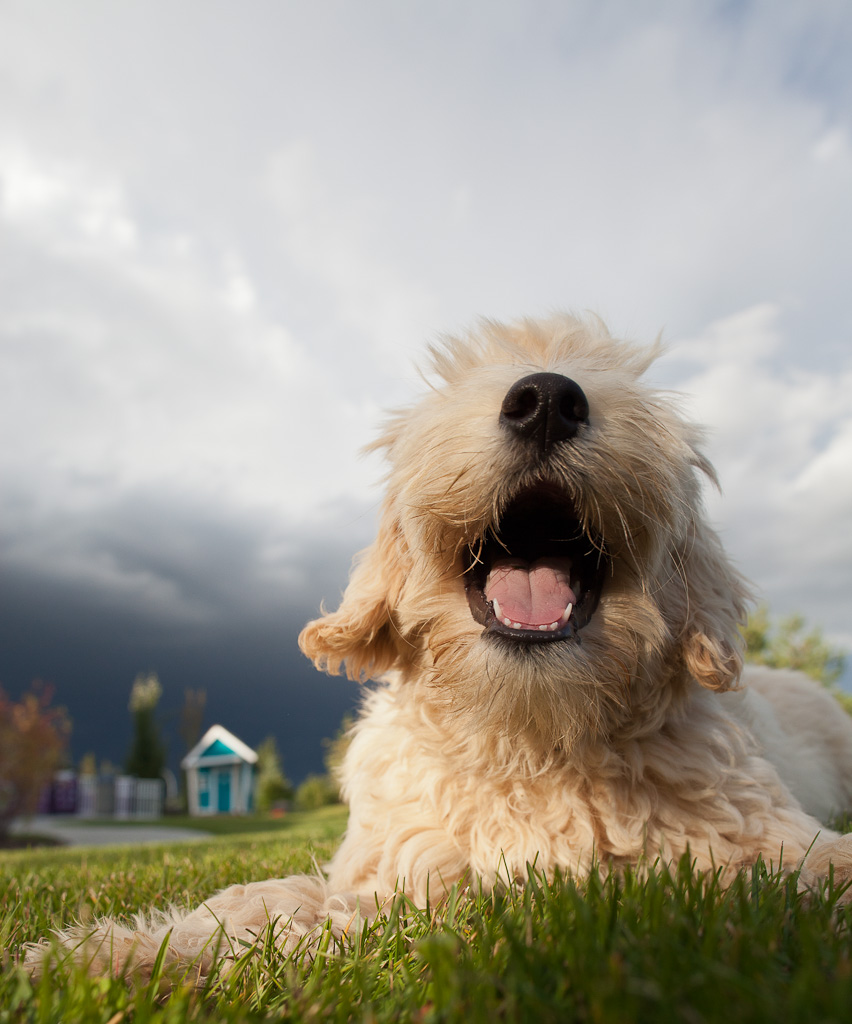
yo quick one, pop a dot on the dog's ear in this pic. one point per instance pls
(712, 608)
(362, 636)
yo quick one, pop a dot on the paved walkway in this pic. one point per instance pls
(72, 832)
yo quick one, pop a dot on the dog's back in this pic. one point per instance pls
(797, 724)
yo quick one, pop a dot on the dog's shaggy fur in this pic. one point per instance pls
(539, 471)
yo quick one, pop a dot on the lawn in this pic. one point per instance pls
(651, 947)
(227, 825)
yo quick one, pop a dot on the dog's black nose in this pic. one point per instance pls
(545, 408)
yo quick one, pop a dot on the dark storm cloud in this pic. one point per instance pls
(229, 625)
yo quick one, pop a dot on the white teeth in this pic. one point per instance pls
(498, 614)
(544, 628)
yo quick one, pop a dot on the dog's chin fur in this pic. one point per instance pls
(623, 733)
(550, 699)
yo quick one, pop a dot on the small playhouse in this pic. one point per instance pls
(220, 774)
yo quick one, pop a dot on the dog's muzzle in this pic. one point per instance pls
(536, 577)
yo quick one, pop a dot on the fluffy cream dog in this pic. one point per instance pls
(556, 629)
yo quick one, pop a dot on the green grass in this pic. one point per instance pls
(652, 947)
(225, 825)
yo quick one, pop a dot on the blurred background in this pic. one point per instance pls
(228, 230)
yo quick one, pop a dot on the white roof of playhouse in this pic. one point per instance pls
(218, 746)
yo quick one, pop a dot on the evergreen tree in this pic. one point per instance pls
(147, 757)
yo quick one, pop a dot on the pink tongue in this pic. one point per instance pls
(531, 595)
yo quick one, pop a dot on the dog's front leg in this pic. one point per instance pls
(294, 911)
(830, 857)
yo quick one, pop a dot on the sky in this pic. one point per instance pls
(229, 230)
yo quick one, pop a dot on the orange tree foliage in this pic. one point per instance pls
(33, 738)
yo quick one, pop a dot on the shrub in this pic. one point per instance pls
(317, 791)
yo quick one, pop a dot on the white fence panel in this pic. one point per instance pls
(121, 797)
(149, 798)
(87, 796)
(125, 789)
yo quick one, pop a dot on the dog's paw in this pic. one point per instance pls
(830, 858)
(106, 948)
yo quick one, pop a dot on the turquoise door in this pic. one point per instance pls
(204, 789)
(224, 792)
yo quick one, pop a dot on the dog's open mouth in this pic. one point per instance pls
(538, 577)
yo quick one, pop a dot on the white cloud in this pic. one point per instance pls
(781, 440)
(64, 204)
(157, 368)
(333, 239)
(239, 294)
(215, 277)
(833, 146)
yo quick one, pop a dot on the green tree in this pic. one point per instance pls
(791, 644)
(320, 790)
(147, 756)
(33, 742)
(272, 783)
